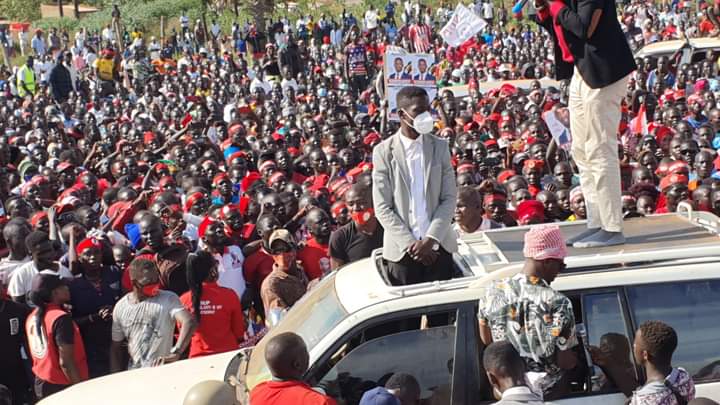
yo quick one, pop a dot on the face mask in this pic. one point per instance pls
(151, 290)
(423, 123)
(363, 217)
(284, 260)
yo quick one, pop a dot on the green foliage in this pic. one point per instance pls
(140, 13)
(68, 23)
(20, 10)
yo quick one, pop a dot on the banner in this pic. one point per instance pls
(403, 69)
(462, 25)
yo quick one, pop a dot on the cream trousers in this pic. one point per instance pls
(594, 121)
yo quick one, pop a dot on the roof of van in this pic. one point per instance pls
(652, 241)
(673, 45)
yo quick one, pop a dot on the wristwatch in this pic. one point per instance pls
(436, 247)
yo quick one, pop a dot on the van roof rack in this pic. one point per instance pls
(687, 235)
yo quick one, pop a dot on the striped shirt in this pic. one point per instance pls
(420, 36)
(148, 326)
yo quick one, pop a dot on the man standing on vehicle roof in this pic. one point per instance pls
(536, 319)
(414, 194)
(590, 48)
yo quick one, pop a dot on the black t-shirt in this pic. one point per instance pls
(63, 331)
(348, 244)
(12, 336)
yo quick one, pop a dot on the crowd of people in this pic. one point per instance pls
(179, 196)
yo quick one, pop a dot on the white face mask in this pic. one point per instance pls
(423, 123)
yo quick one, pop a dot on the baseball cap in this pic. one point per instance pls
(281, 235)
(379, 396)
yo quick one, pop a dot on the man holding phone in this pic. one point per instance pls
(590, 48)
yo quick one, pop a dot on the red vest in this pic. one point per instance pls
(44, 350)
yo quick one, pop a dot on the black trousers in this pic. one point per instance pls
(408, 271)
(358, 84)
(44, 389)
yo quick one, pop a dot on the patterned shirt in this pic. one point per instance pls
(420, 36)
(657, 393)
(356, 58)
(148, 326)
(536, 319)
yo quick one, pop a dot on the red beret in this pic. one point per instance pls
(530, 209)
(87, 243)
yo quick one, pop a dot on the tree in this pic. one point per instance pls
(60, 8)
(259, 9)
(76, 9)
(20, 10)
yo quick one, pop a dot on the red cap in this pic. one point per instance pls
(148, 137)
(192, 199)
(672, 179)
(466, 167)
(534, 163)
(530, 209)
(64, 166)
(505, 175)
(88, 243)
(220, 177)
(249, 180)
(371, 138)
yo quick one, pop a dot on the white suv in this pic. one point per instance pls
(359, 330)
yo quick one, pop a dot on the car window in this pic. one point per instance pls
(315, 315)
(426, 354)
(607, 333)
(698, 56)
(692, 309)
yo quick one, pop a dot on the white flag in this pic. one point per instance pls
(462, 25)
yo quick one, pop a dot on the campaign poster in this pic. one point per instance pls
(408, 69)
(558, 122)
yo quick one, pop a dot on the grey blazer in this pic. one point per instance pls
(391, 194)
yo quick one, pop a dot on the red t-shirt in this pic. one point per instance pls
(256, 267)
(287, 392)
(315, 259)
(222, 325)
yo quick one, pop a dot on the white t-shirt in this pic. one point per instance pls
(21, 279)
(371, 19)
(108, 34)
(230, 270)
(8, 266)
(487, 10)
(148, 326)
(215, 29)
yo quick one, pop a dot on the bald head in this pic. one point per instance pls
(287, 357)
(14, 233)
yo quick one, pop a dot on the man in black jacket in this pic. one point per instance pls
(591, 48)
(60, 80)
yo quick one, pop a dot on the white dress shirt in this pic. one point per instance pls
(419, 220)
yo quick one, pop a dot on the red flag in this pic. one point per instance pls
(639, 124)
(186, 121)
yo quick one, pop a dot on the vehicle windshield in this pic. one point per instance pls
(313, 317)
